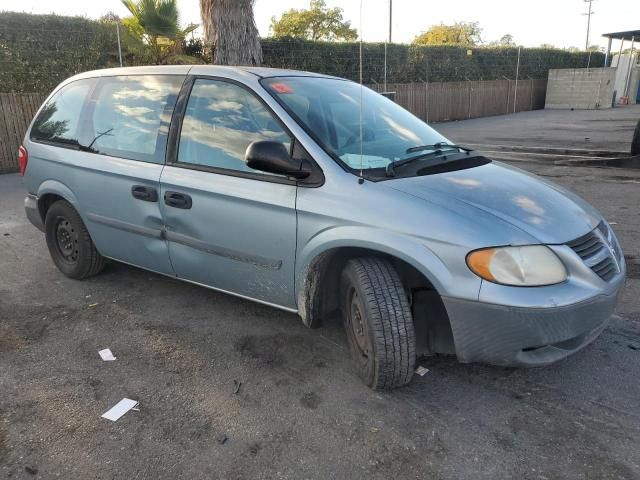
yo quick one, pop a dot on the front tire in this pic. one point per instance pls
(378, 321)
(69, 243)
(635, 143)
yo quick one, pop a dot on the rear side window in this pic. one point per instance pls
(59, 119)
(131, 115)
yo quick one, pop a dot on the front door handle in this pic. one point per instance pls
(146, 194)
(177, 200)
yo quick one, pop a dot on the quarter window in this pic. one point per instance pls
(59, 119)
(220, 122)
(131, 116)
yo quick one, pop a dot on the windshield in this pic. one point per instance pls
(329, 109)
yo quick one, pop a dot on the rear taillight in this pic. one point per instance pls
(23, 158)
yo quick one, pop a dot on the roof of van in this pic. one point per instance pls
(262, 72)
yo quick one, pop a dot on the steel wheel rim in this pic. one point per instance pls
(66, 240)
(357, 324)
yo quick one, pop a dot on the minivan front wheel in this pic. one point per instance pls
(69, 243)
(378, 322)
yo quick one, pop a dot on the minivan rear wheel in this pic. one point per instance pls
(378, 322)
(69, 243)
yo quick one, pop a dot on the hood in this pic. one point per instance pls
(542, 209)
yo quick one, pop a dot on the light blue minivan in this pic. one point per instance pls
(315, 195)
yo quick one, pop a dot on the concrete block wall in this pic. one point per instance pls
(580, 88)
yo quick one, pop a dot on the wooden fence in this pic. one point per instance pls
(441, 102)
(432, 102)
(16, 112)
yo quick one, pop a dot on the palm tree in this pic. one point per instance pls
(156, 22)
(230, 28)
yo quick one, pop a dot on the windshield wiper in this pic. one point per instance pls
(435, 146)
(390, 169)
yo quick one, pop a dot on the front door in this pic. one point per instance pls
(228, 226)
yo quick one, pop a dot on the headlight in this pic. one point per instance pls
(528, 266)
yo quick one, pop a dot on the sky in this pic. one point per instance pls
(531, 23)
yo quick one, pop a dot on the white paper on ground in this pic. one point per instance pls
(119, 409)
(422, 371)
(106, 355)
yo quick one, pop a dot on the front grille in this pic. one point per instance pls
(593, 248)
(605, 269)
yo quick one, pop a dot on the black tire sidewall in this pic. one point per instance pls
(63, 210)
(635, 143)
(366, 370)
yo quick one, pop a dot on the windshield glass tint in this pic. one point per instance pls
(330, 110)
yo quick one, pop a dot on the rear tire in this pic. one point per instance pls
(69, 243)
(378, 321)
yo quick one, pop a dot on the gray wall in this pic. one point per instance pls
(580, 88)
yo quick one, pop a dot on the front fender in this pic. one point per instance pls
(444, 277)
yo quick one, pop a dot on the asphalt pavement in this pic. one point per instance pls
(232, 389)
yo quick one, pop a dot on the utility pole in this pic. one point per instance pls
(119, 47)
(390, 17)
(385, 45)
(588, 15)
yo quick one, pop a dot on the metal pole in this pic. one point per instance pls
(588, 14)
(627, 82)
(515, 95)
(531, 92)
(620, 52)
(426, 100)
(390, 17)
(608, 54)
(469, 98)
(385, 66)
(119, 47)
(387, 41)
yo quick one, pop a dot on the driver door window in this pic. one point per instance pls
(220, 122)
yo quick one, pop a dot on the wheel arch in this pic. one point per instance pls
(318, 289)
(51, 191)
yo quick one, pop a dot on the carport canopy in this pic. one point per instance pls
(631, 35)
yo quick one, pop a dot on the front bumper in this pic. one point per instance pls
(32, 211)
(525, 336)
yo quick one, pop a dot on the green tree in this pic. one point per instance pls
(319, 22)
(548, 46)
(156, 23)
(460, 33)
(505, 41)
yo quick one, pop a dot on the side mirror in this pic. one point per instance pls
(273, 157)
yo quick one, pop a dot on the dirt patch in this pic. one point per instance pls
(10, 339)
(28, 323)
(168, 349)
(4, 448)
(310, 400)
(266, 350)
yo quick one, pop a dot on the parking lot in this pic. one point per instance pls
(232, 389)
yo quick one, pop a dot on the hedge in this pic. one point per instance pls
(39, 51)
(410, 63)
